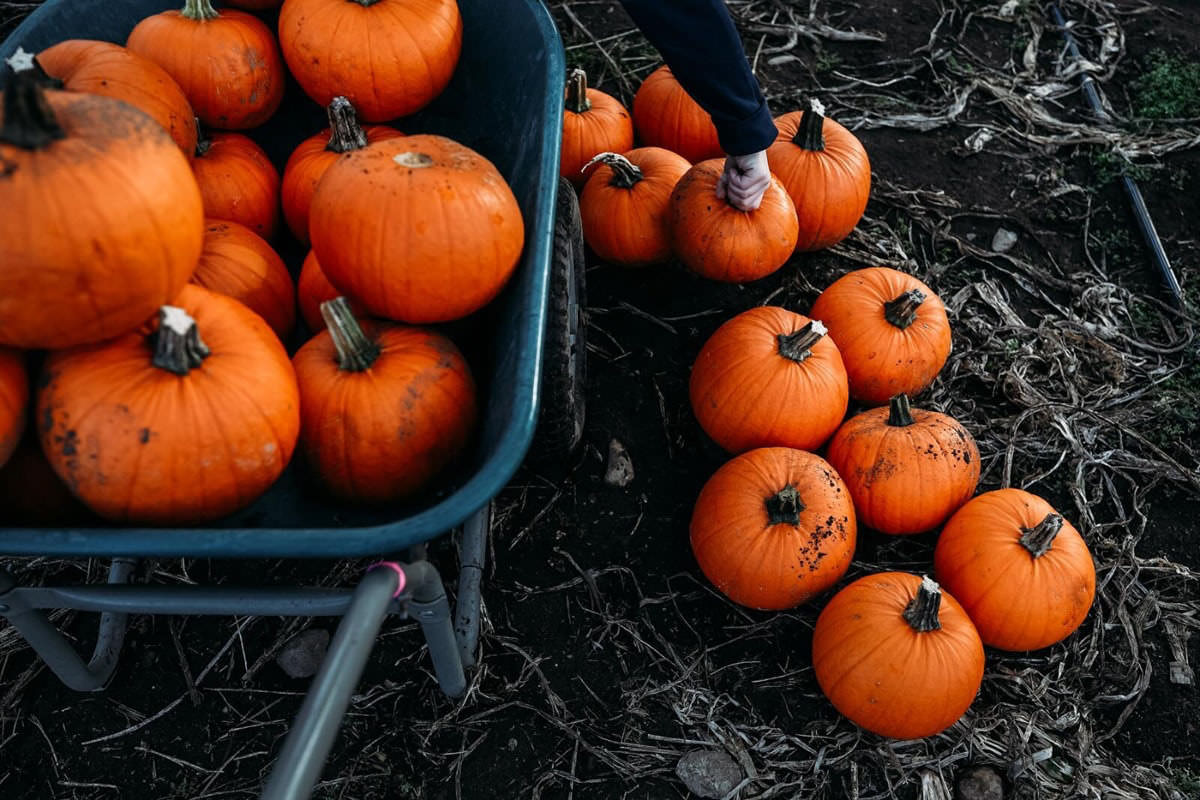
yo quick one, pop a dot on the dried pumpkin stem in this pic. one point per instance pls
(199, 9)
(902, 311)
(1038, 540)
(577, 99)
(798, 346)
(345, 134)
(811, 133)
(900, 412)
(356, 352)
(203, 142)
(178, 347)
(624, 172)
(365, 3)
(922, 611)
(784, 507)
(29, 122)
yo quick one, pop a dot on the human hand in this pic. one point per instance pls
(745, 180)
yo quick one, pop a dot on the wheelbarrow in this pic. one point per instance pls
(506, 101)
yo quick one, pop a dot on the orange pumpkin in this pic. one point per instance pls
(769, 377)
(419, 229)
(385, 407)
(723, 243)
(237, 262)
(101, 220)
(238, 182)
(312, 289)
(226, 62)
(624, 206)
(309, 161)
(84, 65)
(826, 172)
(390, 58)
(908, 469)
(773, 527)
(593, 122)
(892, 331)
(1021, 571)
(897, 656)
(666, 116)
(181, 422)
(14, 400)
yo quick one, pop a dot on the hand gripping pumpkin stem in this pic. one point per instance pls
(199, 10)
(178, 347)
(797, 346)
(922, 611)
(355, 351)
(29, 122)
(1038, 540)
(577, 99)
(345, 134)
(784, 507)
(624, 172)
(811, 133)
(902, 311)
(900, 412)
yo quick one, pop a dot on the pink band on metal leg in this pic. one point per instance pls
(401, 578)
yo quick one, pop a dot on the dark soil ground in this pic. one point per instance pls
(606, 654)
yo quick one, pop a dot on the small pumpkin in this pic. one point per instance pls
(390, 58)
(773, 527)
(908, 469)
(85, 65)
(385, 407)
(625, 205)
(665, 115)
(309, 161)
(723, 243)
(459, 243)
(14, 400)
(593, 122)
(769, 377)
(897, 655)
(891, 329)
(1021, 571)
(226, 62)
(313, 289)
(101, 223)
(238, 263)
(181, 422)
(826, 172)
(238, 182)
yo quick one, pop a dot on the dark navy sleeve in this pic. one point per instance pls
(700, 44)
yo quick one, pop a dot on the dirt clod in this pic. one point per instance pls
(708, 773)
(979, 783)
(301, 657)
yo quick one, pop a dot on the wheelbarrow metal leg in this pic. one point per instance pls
(430, 608)
(472, 556)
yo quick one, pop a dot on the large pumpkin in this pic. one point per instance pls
(226, 62)
(666, 116)
(1021, 571)
(14, 400)
(419, 229)
(238, 182)
(390, 58)
(238, 263)
(101, 220)
(769, 377)
(826, 172)
(309, 161)
(181, 422)
(313, 289)
(773, 527)
(593, 122)
(723, 243)
(625, 205)
(85, 65)
(892, 331)
(908, 469)
(385, 407)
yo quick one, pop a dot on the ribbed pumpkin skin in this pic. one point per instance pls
(766, 566)
(829, 187)
(382, 434)
(312, 289)
(666, 116)
(92, 67)
(389, 59)
(605, 127)
(140, 444)
(723, 243)
(1018, 602)
(905, 479)
(459, 242)
(239, 183)
(881, 359)
(631, 226)
(238, 263)
(14, 400)
(745, 394)
(129, 242)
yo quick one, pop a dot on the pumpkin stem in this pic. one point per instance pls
(798, 346)
(178, 347)
(624, 172)
(366, 3)
(203, 142)
(345, 134)
(902, 311)
(199, 10)
(23, 60)
(811, 133)
(355, 351)
(29, 122)
(784, 507)
(900, 412)
(922, 611)
(577, 99)
(1038, 540)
